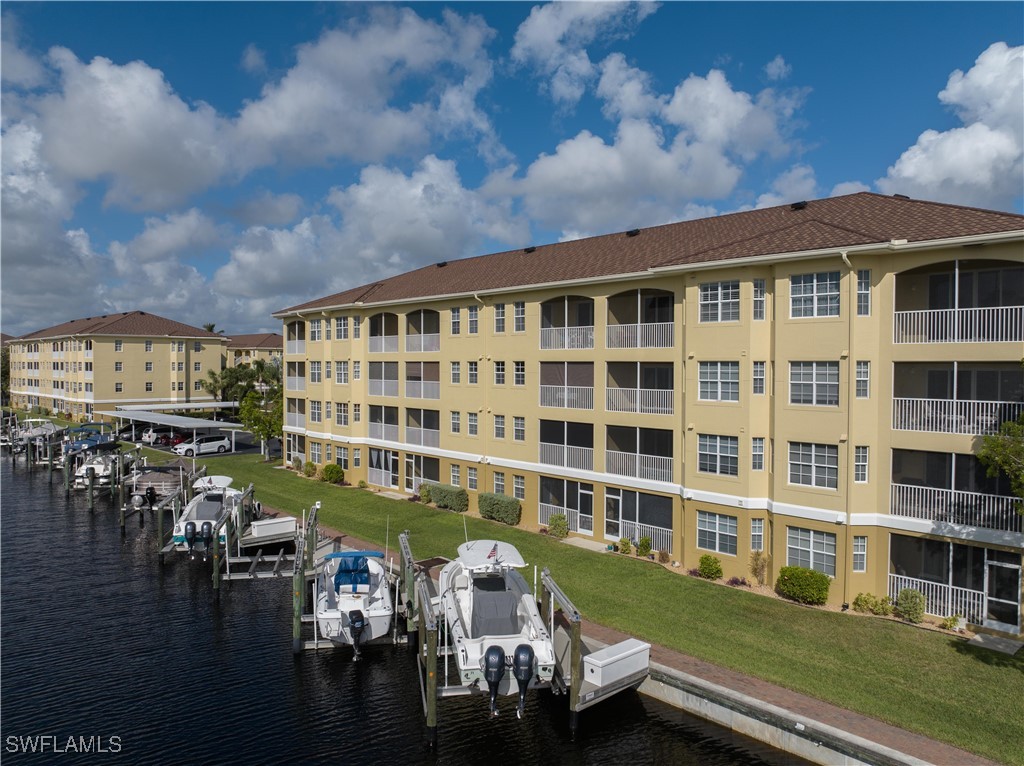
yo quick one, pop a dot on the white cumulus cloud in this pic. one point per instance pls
(777, 69)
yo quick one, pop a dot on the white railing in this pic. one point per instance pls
(645, 335)
(418, 482)
(295, 383)
(379, 477)
(655, 401)
(651, 467)
(383, 431)
(425, 342)
(383, 344)
(942, 600)
(953, 506)
(953, 416)
(295, 419)
(1000, 324)
(661, 538)
(295, 347)
(383, 387)
(423, 389)
(567, 456)
(570, 397)
(426, 437)
(567, 337)
(577, 522)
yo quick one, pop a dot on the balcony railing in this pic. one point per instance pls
(1001, 324)
(567, 337)
(418, 482)
(295, 347)
(645, 335)
(655, 401)
(570, 397)
(383, 387)
(577, 522)
(661, 538)
(953, 416)
(295, 383)
(953, 506)
(383, 431)
(379, 477)
(425, 342)
(942, 600)
(426, 437)
(423, 389)
(383, 344)
(567, 456)
(295, 419)
(651, 467)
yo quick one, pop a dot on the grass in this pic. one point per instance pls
(920, 680)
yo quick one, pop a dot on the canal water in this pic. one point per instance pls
(106, 655)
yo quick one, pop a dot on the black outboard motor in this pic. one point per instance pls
(151, 496)
(207, 532)
(190, 535)
(522, 669)
(494, 671)
(356, 624)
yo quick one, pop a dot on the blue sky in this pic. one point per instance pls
(215, 162)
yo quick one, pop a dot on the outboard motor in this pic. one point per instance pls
(151, 496)
(494, 672)
(356, 624)
(522, 669)
(190, 535)
(207, 532)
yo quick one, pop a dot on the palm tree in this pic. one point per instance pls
(212, 327)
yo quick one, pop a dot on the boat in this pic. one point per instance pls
(214, 499)
(87, 436)
(35, 428)
(103, 464)
(353, 600)
(493, 622)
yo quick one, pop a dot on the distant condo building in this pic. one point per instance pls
(246, 349)
(809, 380)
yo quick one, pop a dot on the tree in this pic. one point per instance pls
(5, 374)
(262, 418)
(212, 327)
(230, 384)
(1004, 453)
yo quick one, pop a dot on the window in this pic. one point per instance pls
(474, 319)
(720, 301)
(341, 328)
(470, 477)
(341, 414)
(355, 370)
(473, 373)
(499, 317)
(181, 367)
(758, 378)
(343, 457)
(499, 373)
(149, 386)
(327, 446)
(149, 367)
(863, 380)
(456, 372)
(519, 487)
(327, 418)
(357, 414)
(118, 366)
(519, 316)
(860, 553)
(315, 415)
(197, 366)
(814, 383)
(314, 452)
(315, 333)
(814, 465)
(860, 464)
(719, 381)
(519, 429)
(197, 346)
(716, 532)
(519, 374)
(718, 454)
(757, 453)
(499, 426)
(149, 347)
(327, 371)
(472, 424)
(355, 336)
(757, 534)
(814, 295)
(499, 482)
(456, 321)
(455, 478)
(119, 388)
(314, 372)
(758, 312)
(118, 345)
(811, 549)
(864, 293)
(356, 452)
(341, 373)
(456, 422)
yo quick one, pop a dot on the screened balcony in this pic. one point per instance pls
(643, 453)
(423, 380)
(641, 387)
(423, 427)
(383, 333)
(960, 302)
(295, 376)
(956, 397)
(567, 444)
(641, 319)
(383, 423)
(575, 500)
(422, 331)
(567, 322)
(420, 470)
(295, 413)
(295, 338)
(567, 384)
(951, 488)
(383, 379)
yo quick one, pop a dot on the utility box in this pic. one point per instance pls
(616, 662)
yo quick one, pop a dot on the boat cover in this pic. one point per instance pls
(477, 554)
(353, 568)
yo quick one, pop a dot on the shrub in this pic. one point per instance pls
(362, 484)
(865, 602)
(446, 496)
(663, 557)
(297, 463)
(501, 508)
(333, 473)
(693, 572)
(425, 493)
(643, 547)
(310, 469)
(738, 582)
(759, 565)
(883, 607)
(625, 545)
(952, 622)
(709, 567)
(805, 586)
(910, 605)
(558, 526)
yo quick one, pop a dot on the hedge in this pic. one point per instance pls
(446, 496)
(500, 508)
(333, 473)
(803, 585)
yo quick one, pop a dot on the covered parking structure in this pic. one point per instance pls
(197, 426)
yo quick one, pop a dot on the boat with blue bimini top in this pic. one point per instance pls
(205, 513)
(353, 598)
(493, 623)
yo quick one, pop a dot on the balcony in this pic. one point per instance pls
(378, 387)
(972, 418)
(295, 419)
(567, 337)
(295, 347)
(380, 477)
(644, 335)
(942, 600)
(418, 343)
(567, 456)
(567, 322)
(383, 431)
(295, 383)
(651, 467)
(661, 538)
(383, 344)
(655, 401)
(1000, 324)
(577, 521)
(568, 397)
(951, 506)
(425, 437)
(422, 389)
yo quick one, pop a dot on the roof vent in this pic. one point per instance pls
(798, 205)
(441, 264)
(529, 249)
(901, 196)
(632, 232)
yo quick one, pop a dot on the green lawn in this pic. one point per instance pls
(920, 680)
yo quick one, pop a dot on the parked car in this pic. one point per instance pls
(151, 435)
(130, 432)
(171, 439)
(202, 445)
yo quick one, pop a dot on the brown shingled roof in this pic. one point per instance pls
(836, 222)
(128, 323)
(269, 340)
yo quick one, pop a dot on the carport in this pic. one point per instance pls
(179, 422)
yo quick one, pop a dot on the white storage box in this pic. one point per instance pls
(613, 663)
(282, 525)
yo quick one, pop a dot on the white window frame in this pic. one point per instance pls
(341, 373)
(519, 487)
(518, 428)
(758, 312)
(757, 534)
(722, 451)
(814, 295)
(518, 373)
(499, 373)
(861, 456)
(341, 414)
(499, 318)
(860, 553)
(519, 316)
(499, 482)
(499, 426)
(718, 381)
(455, 474)
(821, 461)
(864, 292)
(812, 548)
(315, 331)
(719, 301)
(471, 477)
(717, 532)
(472, 424)
(456, 373)
(341, 328)
(862, 387)
(757, 453)
(456, 321)
(473, 320)
(821, 377)
(757, 378)
(456, 421)
(473, 373)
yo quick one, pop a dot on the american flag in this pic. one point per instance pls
(494, 552)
